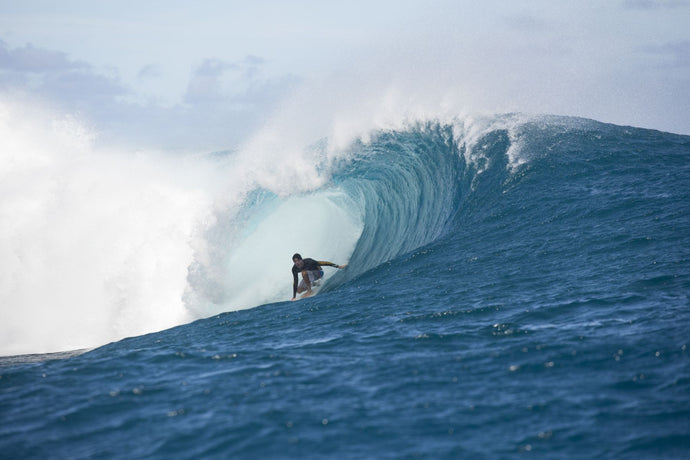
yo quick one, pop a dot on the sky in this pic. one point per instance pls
(208, 75)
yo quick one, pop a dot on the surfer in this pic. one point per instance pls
(311, 272)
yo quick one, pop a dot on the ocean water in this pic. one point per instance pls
(518, 287)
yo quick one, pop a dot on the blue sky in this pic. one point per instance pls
(206, 75)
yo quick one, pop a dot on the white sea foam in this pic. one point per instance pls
(99, 244)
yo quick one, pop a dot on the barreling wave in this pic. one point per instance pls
(411, 185)
(186, 238)
(381, 197)
(406, 186)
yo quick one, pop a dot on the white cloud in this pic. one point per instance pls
(54, 75)
(37, 60)
(224, 101)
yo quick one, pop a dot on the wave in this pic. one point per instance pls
(102, 244)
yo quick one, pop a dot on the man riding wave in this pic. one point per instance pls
(311, 272)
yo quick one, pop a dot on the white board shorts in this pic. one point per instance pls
(314, 275)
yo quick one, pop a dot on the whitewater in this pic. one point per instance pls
(517, 285)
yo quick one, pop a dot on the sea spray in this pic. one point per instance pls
(95, 243)
(100, 243)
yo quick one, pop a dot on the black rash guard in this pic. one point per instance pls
(309, 265)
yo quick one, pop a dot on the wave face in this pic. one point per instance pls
(515, 284)
(407, 186)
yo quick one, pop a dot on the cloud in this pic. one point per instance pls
(218, 82)
(252, 64)
(36, 60)
(206, 84)
(55, 76)
(223, 103)
(149, 71)
(82, 85)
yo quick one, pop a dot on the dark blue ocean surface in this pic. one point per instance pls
(527, 298)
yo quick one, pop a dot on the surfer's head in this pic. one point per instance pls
(297, 259)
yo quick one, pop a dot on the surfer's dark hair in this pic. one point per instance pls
(297, 256)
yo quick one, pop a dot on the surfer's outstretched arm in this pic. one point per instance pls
(330, 264)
